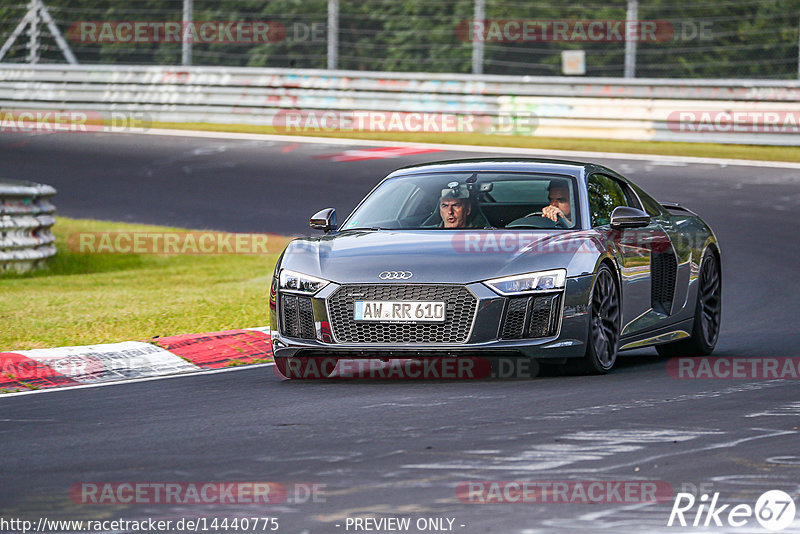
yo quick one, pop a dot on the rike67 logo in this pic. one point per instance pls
(774, 510)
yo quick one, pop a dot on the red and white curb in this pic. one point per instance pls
(493, 150)
(378, 153)
(30, 370)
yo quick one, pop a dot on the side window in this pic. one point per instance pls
(630, 196)
(387, 205)
(650, 205)
(605, 194)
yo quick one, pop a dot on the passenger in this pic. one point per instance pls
(560, 205)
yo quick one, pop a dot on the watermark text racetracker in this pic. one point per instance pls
(564, 491)
(311, 121)
(513, 240)
(197, 31)
(561, 31)
(208, 31)
(174, 242)
(72, 121)
(196, 493)
(404, 367)
(732, 368)
(721, 121)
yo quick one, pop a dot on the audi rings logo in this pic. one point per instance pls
(395, 275)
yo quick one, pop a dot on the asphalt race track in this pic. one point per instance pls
(401, 448)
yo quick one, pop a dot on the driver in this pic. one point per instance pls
(455, 207)
(454, 212)
(559, 198)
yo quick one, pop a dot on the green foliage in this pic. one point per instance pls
(604, 196)
(725, 39)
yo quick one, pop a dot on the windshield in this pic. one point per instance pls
(469, 200)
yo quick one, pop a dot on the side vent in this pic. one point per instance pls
(663, 272)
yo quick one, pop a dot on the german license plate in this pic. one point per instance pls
(389, 311)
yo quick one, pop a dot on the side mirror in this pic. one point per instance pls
(324, 220)
(627, 217)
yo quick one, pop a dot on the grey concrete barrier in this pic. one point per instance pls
(116, 98)
(26, 219)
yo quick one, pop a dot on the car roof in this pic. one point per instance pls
(552, 166)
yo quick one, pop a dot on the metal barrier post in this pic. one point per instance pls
(477, 41)
(333, 34)
(631, 35)
(186, 49)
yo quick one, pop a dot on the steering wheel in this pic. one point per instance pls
(560, 221)
(538, 221)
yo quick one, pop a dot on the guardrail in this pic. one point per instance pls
(720, 111)
(26, 217)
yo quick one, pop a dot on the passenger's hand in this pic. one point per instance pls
(553, 213)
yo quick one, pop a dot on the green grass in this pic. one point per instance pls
(709, 150)
(85, 299)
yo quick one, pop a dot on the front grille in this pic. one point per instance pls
(663, 273)
(459, 313)
(531, 317)
(297, 317)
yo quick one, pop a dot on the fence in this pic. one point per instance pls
(116, 98)
(725, 39)
(26, 216)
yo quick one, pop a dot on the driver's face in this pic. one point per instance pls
(454, 212)
(559, 197)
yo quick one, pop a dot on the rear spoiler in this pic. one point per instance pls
(677, 207)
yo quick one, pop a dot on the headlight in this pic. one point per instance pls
(523, 284)
(301, 283)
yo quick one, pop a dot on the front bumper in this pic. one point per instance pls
(484, 339)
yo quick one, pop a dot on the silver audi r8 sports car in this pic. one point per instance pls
(567, 263)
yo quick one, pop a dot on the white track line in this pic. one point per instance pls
(132, 380)
(495, 150)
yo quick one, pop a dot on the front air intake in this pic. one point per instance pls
(297, 317)
(531, 317)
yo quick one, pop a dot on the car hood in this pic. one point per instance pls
(442, 256)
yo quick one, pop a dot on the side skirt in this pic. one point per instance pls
(672, 332)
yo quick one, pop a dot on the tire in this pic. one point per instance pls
(707, 314)
(604, 327)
